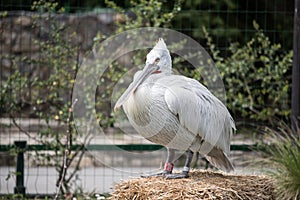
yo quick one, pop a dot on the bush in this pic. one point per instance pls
(257, 78)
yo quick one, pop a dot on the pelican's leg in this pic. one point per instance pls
(186, 168)
(196, 161)
(168, 164)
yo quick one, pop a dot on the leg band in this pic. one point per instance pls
(186, 169)
(169, 166)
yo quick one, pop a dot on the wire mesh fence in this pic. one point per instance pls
(40, 55)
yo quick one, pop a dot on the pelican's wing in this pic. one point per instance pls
(199, 111)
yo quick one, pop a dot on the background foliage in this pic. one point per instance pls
(257, 78)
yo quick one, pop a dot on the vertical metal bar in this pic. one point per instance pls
(20, 188)
(296, 69)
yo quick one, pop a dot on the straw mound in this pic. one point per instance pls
(200, 185)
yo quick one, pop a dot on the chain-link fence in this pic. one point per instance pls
(43, 45)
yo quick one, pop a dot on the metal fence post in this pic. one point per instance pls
(20, 188)
(296, 70)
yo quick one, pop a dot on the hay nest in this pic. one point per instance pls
(200, 185)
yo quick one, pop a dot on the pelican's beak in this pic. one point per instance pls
(143, 75)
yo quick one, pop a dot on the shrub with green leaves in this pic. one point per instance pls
(257, 78)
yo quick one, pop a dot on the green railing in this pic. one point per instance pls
(110, 147)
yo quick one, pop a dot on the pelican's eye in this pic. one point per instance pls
(157, 60)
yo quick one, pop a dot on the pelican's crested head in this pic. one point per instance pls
(160, 56)
(158, 61)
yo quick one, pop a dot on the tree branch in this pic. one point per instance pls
(67, 151)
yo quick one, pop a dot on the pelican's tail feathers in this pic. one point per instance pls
(220, 160)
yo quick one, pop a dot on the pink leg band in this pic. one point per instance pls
(169, 166)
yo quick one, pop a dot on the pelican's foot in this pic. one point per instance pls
(167, 171)
(164, 173)
(177, 176)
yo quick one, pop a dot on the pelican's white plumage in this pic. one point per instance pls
(176, 111)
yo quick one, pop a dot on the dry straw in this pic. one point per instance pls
(200, 185)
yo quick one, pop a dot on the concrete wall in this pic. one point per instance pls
(18, 33)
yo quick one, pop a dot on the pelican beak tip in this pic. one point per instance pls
(116, 108)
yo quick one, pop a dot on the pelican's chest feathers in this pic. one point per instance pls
(147, 102)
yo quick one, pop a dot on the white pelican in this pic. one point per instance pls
(177, 112)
